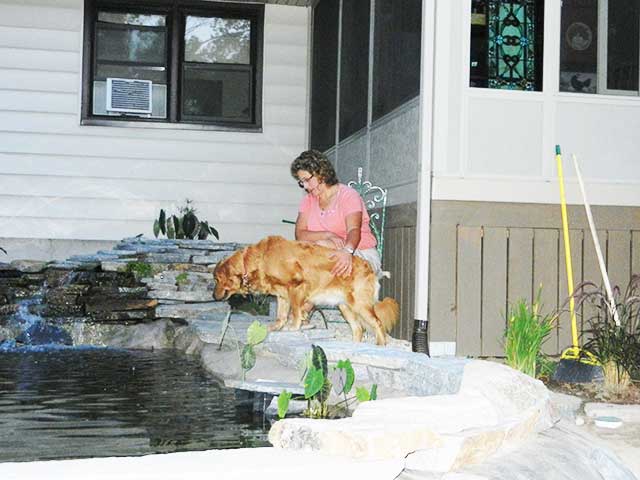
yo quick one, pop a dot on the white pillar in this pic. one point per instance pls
(424, 165)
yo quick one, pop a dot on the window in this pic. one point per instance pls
(396, 65)
(506, 44)
(599, 46)
(173, 61)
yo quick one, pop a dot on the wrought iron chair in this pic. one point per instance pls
(375, 201)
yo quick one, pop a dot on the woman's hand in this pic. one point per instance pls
(344, 263)
(336, 240)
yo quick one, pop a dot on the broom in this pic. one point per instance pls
(576, 365)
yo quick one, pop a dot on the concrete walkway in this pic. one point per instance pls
(241, 464)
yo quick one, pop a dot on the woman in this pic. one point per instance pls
(332, 214)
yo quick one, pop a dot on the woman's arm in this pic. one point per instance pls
(344, 257)
(302, 233)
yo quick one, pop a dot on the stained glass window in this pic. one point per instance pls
(506, 44)
(512, 45)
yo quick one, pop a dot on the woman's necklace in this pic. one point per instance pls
(325, 203)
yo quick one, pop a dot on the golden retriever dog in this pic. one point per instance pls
(300, 272)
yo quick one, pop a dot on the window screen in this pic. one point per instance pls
(354, 66)
(396, 66)
(324, 74)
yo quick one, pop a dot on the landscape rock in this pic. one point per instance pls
(28, 266)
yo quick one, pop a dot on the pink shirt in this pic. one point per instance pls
(333, 219)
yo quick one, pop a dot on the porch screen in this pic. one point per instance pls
(324, 86)
(396, 54)
(506, 44)
(354, 66)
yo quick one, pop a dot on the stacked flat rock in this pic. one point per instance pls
(140, 280)
(19, 280)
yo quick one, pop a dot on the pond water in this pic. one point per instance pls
(76, 403)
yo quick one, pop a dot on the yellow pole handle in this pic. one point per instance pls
(567, 249)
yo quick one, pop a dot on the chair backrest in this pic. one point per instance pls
(375, 200)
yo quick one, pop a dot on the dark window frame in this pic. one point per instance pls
(176, 11)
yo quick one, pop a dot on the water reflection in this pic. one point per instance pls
(95, 403)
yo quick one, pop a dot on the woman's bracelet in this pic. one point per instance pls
(348, 249)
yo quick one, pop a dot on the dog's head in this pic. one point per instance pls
(229, 275)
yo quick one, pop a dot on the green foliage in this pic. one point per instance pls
(546, 368)
(256, 333)
(345, 378)
(313, 383)
(319, 359)
(182, 278)
(317, 386)
(183, 225)
(526, 332)
(248, 358)
(283, 403)
(616, 347)
(362, 394)
(139, 269)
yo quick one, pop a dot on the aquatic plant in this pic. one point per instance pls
(185, 224)
(256, 333)
(319, 380)
(527, 330)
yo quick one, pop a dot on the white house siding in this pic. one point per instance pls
(61, 180)
(494, 145)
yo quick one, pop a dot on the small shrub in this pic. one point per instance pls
(185, 224)
(526, 332)
(616, 347)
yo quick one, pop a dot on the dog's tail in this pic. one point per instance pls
(388, 312)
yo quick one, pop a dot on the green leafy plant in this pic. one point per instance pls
(527, 330)
(318, 382)
(615, 346)
(256, 333)
(183, 225)
(139, 269)
(182, 278)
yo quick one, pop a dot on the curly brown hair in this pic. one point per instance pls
(317, 164)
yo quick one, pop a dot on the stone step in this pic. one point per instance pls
(193, 296)
(191, 310)
(271, 387)
(100, 305)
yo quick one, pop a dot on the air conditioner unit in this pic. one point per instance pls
(129, 96)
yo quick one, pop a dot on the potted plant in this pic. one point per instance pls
(184, 225)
